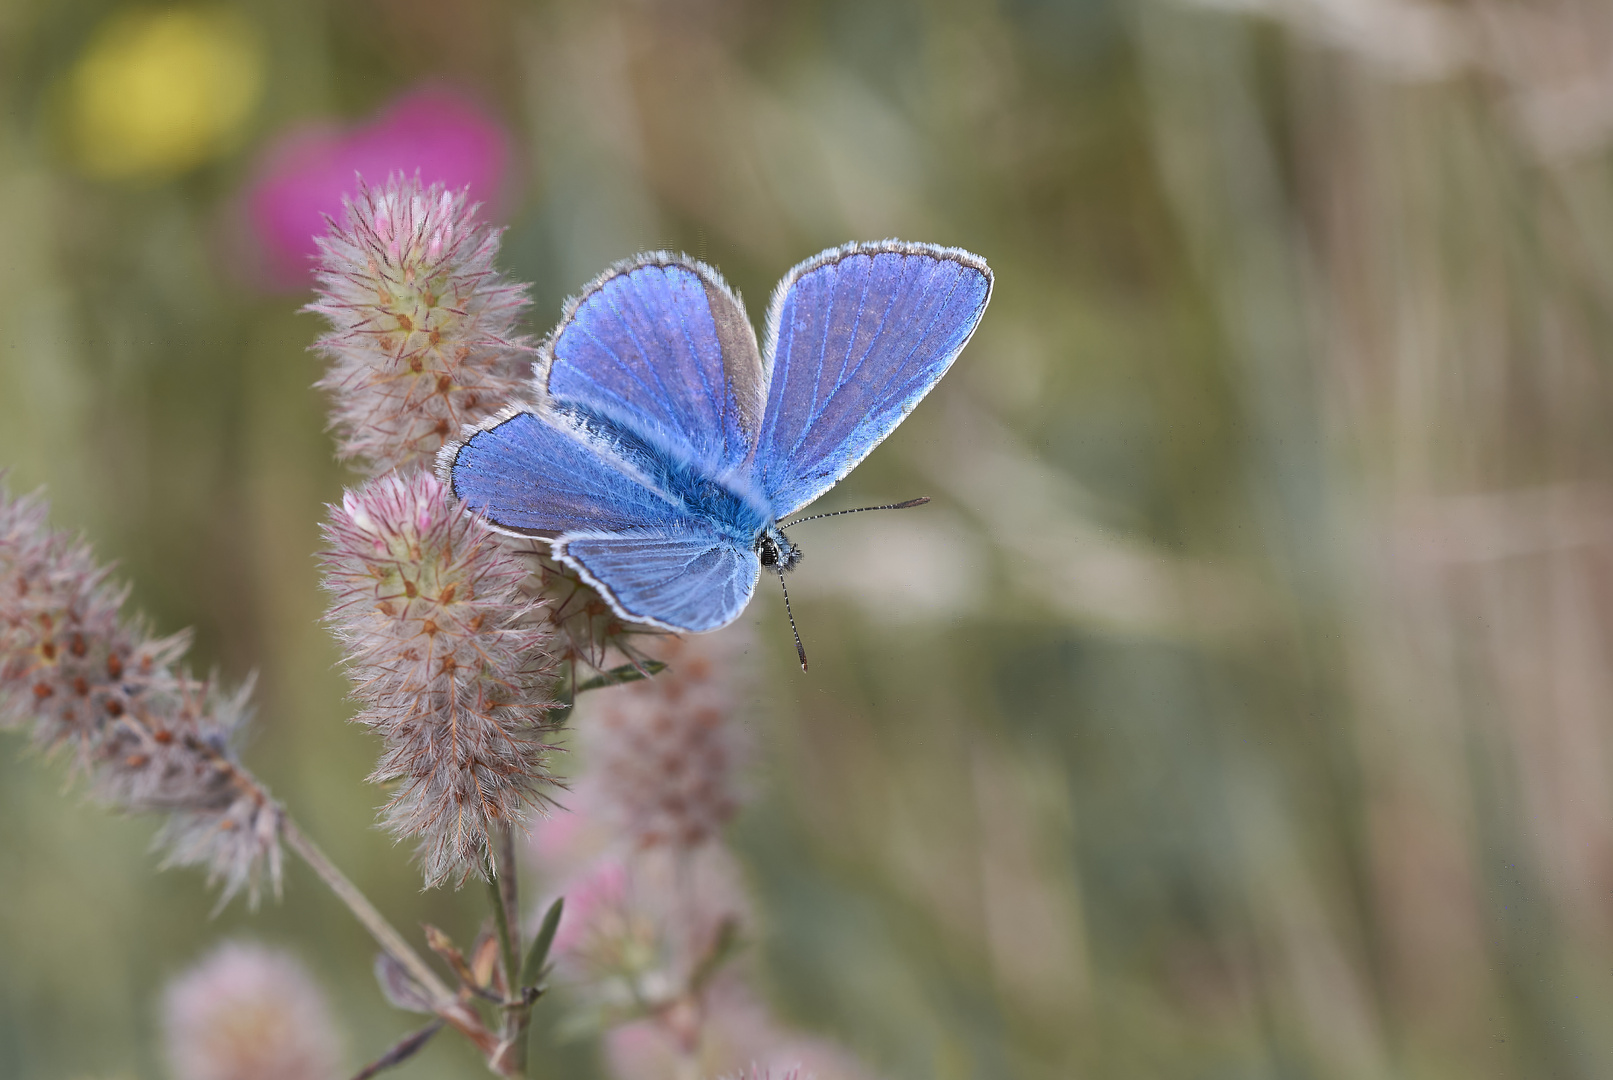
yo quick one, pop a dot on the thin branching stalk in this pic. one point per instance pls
(447, 1005)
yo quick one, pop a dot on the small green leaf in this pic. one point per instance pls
(626, 673)
(722, 950)
(538, 955)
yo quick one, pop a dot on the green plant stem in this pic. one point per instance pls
(511, 1057)
(506, 915)
(506, 941)
(509, 901)
(517, 1011)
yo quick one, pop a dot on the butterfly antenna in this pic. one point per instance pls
(920, 501)
(800, 650)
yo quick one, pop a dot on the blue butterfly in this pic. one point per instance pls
(666, 448)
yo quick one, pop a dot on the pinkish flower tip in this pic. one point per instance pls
(441, 136)
(423, 336)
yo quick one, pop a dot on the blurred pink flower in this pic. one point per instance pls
(665, 754)
(303, 176)
(735, 1037)
(561, 844)
(247, 1012)
(638, 932)
(597, 916)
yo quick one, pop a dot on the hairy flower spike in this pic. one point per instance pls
(422, 336)
(584, 628)
(249, 1013)
(445, 656)
(149, 736)
(664, 752)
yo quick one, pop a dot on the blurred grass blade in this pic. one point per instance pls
(538, 955)
(401, 1051)
(625, 673)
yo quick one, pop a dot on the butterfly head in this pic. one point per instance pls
(776, 551)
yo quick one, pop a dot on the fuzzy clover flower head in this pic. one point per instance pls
(604, 932)
(665, 753)
(422, 334)
(249, 1013)
(640, 932)
(100, 687)
(585, 629)
(731, 1034)
(451, 666)
(735, 1037)
(70, 665)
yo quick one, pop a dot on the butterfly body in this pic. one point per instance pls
(665, 447)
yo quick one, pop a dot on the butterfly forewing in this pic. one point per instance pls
(530, 475)
(660, 345)
(856, 337)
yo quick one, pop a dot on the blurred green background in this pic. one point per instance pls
(1240, 707)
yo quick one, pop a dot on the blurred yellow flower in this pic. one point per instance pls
(157, 92)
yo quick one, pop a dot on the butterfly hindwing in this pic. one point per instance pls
(679, 577)
(659, 344)
(855, 338)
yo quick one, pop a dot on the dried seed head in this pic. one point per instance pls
(446, 658)
(664, 753)
(249, 1013)
(423, 330)
(149, 736)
